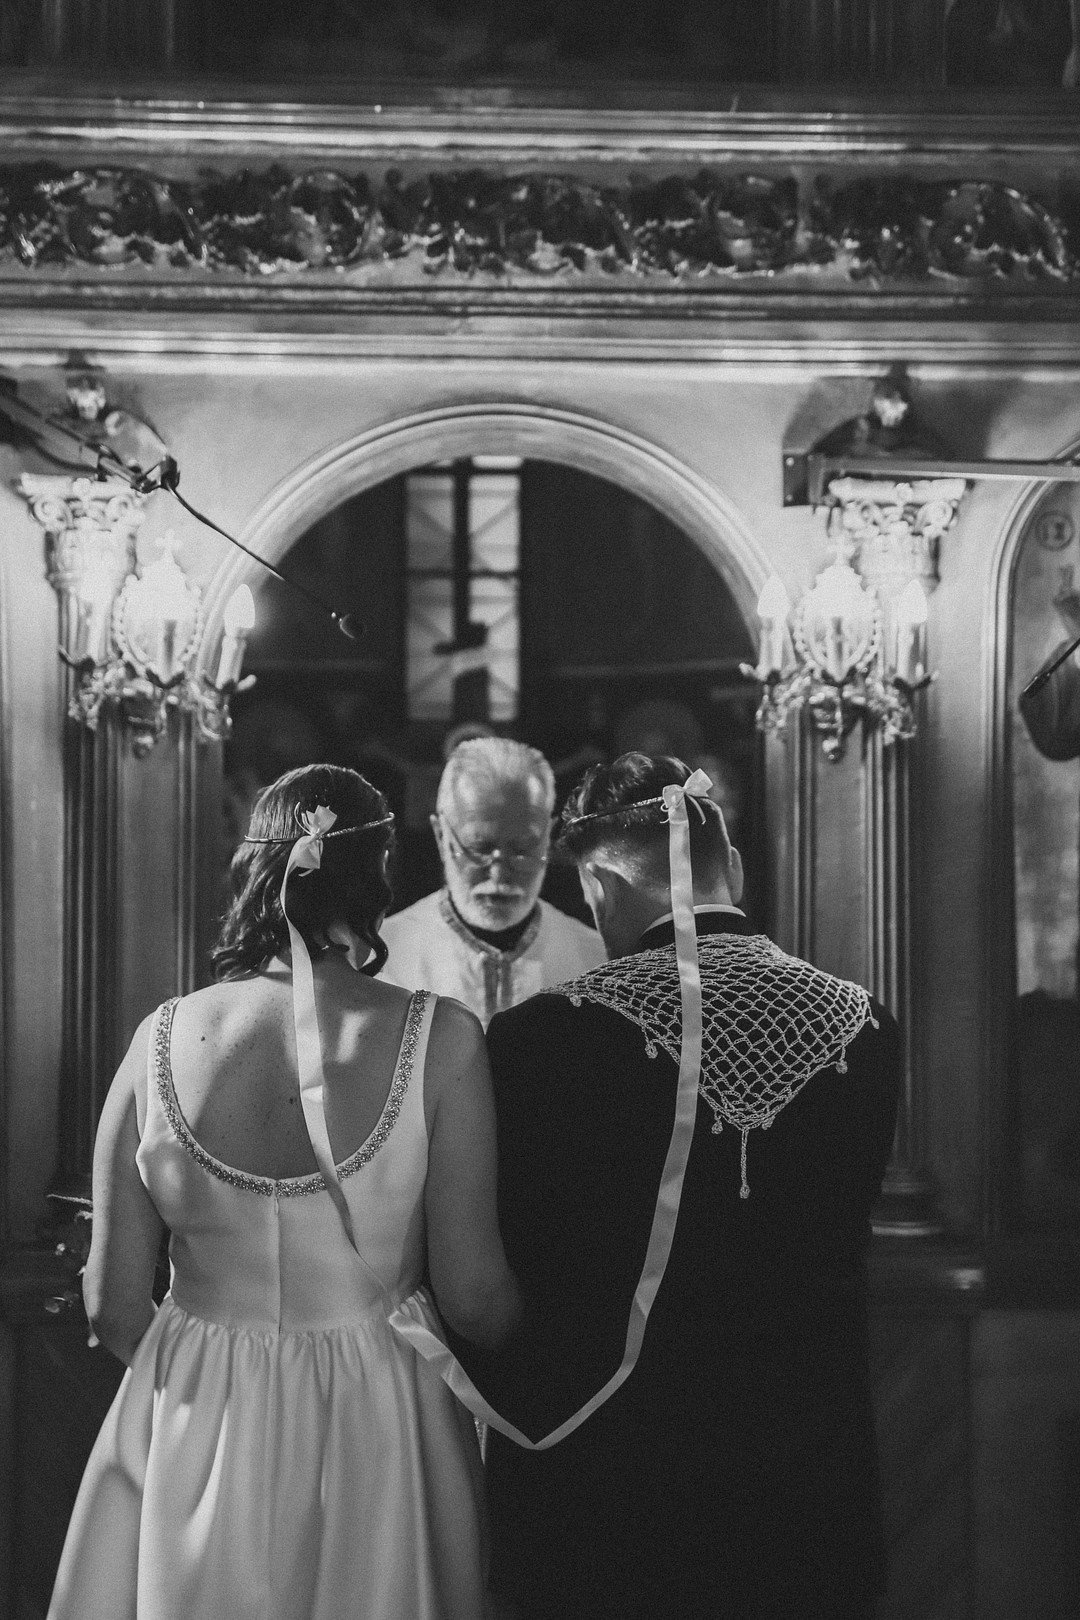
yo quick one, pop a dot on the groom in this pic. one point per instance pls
(733, 1475)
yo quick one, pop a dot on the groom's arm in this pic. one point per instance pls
(583, 1126)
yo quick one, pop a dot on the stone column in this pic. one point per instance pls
(897, 528)
(90, 525)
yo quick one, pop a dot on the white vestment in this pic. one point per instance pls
(431, 949)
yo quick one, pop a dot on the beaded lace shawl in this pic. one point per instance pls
(771, 1022)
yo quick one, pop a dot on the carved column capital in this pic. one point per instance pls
(91, 524)
(896, 526)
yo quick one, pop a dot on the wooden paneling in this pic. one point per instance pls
(858, 41)
(63, 1390)
(760, 41)
(31, 826)
(1026, 1416)
(921, 1399)
(840, 865)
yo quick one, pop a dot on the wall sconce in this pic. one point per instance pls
(851, 659)
(133, 651)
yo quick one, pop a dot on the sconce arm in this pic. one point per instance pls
(230, 688)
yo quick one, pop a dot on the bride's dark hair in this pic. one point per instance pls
(350, 885)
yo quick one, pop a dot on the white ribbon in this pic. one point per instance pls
(414, 1319)
(306, 856)
(696, 787)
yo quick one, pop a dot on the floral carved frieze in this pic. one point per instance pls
(535, 225)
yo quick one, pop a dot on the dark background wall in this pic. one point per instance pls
(900, 43)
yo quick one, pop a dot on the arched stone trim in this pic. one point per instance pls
(541, 433)
(999, 921)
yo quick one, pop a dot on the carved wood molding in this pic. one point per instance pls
(704, 230)
(196, 119)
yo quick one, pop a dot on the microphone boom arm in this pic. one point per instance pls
(102, 462)
(1039, 680)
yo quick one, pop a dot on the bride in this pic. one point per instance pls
(316, 1143)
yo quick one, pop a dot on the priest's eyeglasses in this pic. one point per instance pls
(518, 861)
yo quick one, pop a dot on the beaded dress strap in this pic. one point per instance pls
(161, 1084)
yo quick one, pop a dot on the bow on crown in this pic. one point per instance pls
(306, 853)
(696, 787)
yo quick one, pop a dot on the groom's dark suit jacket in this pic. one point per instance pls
(734, 1474)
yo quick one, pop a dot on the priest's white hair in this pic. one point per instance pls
(494, 760)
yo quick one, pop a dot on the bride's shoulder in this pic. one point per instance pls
(215, 999)
(229, 1008)
(339, 984)
(455, 1030)
(456, 1070)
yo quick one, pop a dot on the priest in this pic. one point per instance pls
(486, 938)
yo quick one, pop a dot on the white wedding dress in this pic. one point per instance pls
(275, 1451)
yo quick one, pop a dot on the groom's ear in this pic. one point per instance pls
(607, 882)
(591, 887)
(735, 876)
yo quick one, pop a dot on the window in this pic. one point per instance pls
(463, 556)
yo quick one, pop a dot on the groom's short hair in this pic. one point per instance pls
(610, 812)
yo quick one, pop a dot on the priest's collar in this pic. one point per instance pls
(483, 947)
(710, 919)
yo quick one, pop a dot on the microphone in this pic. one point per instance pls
(168, 477)
(1037, 682)
(52, 436)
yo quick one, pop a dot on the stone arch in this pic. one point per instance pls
(998, 649)
(999, 919)
(998, 643)
(589, 445)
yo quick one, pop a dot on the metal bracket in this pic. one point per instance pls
(807, 474)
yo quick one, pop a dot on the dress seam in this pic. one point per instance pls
(376, 1314)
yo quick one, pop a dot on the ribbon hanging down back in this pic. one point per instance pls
(414, 1319)
(306, 856)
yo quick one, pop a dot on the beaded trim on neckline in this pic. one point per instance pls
(287, 1186)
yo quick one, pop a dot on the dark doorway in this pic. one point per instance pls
(523, 596)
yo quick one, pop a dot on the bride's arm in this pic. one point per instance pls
(119, 1277)
(475, 1288)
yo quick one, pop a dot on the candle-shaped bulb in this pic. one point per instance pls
(238, 620)
(96, 590)
(164, 604)
(239, 615)
(913, 604)
(839, 617)
(773, 607)
(911, 615)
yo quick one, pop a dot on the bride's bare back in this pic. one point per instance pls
(234, 1065)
